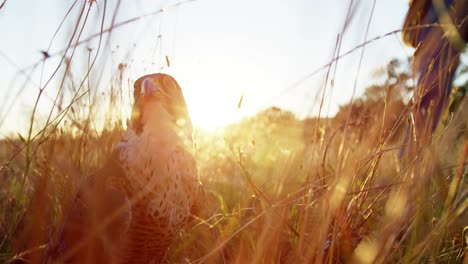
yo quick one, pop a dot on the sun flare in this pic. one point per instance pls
(210, 109)
(206, 117)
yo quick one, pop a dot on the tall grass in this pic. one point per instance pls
(279, 189)
(271, 198)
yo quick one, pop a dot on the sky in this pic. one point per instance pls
(218, 51)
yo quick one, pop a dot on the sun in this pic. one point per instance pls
(214, 100)
(206, 118)
(210, 115)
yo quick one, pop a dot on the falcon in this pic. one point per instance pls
(132, 209)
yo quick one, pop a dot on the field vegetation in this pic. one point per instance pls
(279, 189)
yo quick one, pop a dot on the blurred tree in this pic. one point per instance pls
(398, 82)
(382, 103)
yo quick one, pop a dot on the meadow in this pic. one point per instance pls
(279, 189)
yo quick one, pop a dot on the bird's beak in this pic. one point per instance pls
(148, 88)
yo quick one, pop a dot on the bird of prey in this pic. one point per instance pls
(131, 210)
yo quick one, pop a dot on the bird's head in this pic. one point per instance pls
(160, 104)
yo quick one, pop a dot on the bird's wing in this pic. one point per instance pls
(96, 223)
(186, 166)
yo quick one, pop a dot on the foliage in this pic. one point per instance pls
(276, 192)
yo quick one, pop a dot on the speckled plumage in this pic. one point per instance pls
(137, 203)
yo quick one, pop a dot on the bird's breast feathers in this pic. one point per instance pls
(162, 173)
